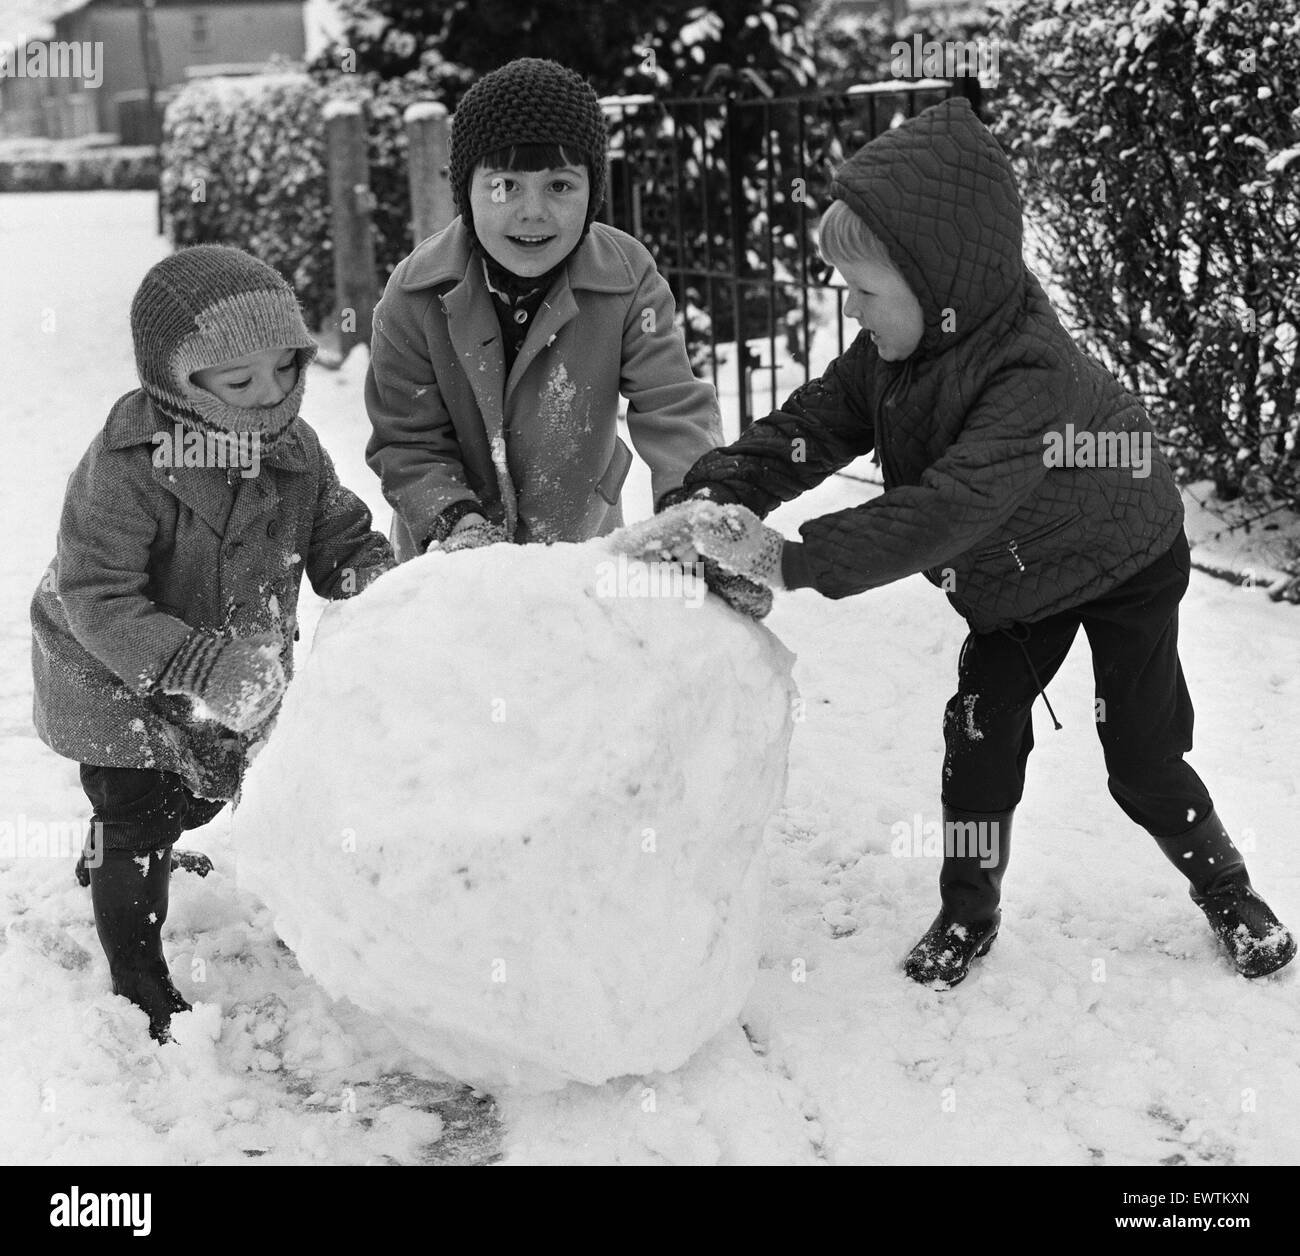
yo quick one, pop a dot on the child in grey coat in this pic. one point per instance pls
(163, 628)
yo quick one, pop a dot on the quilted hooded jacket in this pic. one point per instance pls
(967, 429)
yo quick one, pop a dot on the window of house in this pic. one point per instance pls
(199, 30)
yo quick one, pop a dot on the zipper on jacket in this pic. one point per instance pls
(902, 379)
(1012, 547)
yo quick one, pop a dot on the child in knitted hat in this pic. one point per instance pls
(163, 628)
(502, 343)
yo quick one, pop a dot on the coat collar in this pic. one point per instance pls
(227, 507)
(600, 263)
(447, 262)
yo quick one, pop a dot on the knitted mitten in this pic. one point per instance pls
(665, 537)
(739, 592)
(366, 576)
(237, 681)
(472, 536)
(737, 539)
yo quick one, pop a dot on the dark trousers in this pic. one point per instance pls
(142, 809)
(1143, 713)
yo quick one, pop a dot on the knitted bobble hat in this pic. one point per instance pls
(204, 306)
(528, 101)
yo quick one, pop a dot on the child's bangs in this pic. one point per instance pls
(528, 157)
(843, 237)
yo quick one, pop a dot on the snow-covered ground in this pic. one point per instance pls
(1103, 1028)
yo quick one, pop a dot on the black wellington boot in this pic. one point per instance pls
(1256, 940)
(189, 860)
(976, 848)
(129, 893)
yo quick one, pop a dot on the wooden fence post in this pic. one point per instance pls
(428, 138)
(356, 290)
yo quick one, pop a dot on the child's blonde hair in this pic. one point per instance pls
(843, 237)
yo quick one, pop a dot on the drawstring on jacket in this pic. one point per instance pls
(1033, 671)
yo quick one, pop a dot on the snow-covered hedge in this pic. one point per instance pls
(1159, 148)
(244, 163)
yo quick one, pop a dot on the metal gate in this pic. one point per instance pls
(726, 192)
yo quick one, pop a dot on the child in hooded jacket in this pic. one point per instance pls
(163, 629)
(1021, 479)
(502, 343)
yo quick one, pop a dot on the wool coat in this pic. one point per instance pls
(536, 450)
(989, 436)
(146, 554)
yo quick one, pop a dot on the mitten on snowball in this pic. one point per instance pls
(739, 592)
(666, 537)
(368, 575)
(471, 536)
(738, 540)
(446, 522)
(237, 681)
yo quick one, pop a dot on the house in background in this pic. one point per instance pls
(147, 50)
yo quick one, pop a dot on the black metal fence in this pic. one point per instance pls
(725, 192)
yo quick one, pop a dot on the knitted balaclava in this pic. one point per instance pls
(528, 101)
(207, 305)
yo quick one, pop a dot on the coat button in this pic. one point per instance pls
(521, 316)
(272, 528)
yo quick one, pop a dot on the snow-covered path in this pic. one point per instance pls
(1104, 1027)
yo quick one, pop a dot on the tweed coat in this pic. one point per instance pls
(148, 553)
(537, 450)
(969, 429)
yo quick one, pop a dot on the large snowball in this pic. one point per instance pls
(514, 807)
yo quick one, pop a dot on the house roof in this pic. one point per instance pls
(34, 19)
